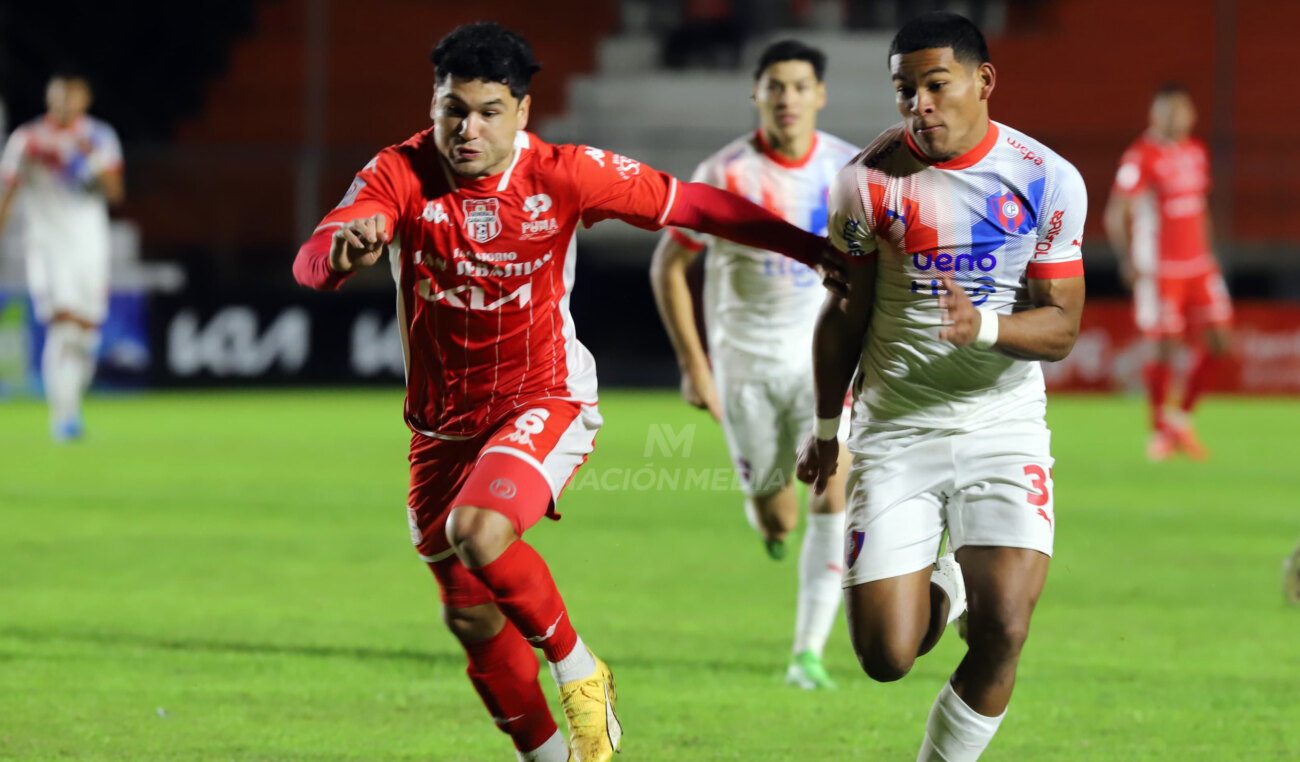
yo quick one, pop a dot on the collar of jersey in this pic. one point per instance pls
(501, 179)
(968, 159)
(780, 158)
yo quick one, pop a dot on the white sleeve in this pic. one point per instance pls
(11, 161)
(106, 151)
(850, 224)
(1057, 253)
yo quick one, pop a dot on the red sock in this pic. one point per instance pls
(527, 595)
(1157, 375)
(503, 669)
(1199, 379)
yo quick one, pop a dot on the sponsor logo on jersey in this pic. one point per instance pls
(948, 263)
(1026, 152)
(435, 212)
(596, 155)
(482, 219)
(498, 265)
(477, 296)
(1053, 230)
(537, 205)
(503, 488)
(350, 197)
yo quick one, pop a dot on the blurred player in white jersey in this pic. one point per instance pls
(68, 166)
(967, 236)
(760, 309)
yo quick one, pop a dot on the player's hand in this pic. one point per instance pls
(961, 321)
(818, 461)
(358, 243)
(1128, 275)
(834, 271)
(699, 390)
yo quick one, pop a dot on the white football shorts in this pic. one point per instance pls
(68, 281)
(989, 487)
(765, 421)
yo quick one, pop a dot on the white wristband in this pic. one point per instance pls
(828, 428)
(988, 333)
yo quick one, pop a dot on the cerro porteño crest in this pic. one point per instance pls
(482, 221)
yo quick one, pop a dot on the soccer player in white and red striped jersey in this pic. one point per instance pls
(1158, 222)
(760, 309)
(967, 234)
(64, 169)
(478, 218)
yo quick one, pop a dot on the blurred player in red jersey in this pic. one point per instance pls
(1158, 222)
(478, 218)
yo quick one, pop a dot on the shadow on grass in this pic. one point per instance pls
(702, 662)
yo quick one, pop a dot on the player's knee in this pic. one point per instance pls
(1000, 637)
(886, 662)
(478, 535)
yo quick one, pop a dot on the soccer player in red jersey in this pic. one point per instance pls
(1158, 222)
(478, 218)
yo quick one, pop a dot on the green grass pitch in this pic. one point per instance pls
(229, 577)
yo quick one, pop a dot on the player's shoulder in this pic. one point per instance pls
(836, 146)
(417, 156)
(740, 148)
(887, 154)
(1025, 148)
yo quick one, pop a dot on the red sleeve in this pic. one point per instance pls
(725, 215)
(1133, 175)
(611, 186)
(686, 241)
(379, 188)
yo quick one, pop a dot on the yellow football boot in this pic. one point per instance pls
(594, 730)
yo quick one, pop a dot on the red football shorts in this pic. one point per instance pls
(518, 468)
(1172, 306)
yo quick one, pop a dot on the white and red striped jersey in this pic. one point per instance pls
(760, 307)
(1169, 182)
(485, 268)
(1007, 211)
(56, 167)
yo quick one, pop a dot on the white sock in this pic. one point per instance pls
(61, 371)
(578, 665)
(820, 575)
(954, 732)
(554, 750)
(87, 357)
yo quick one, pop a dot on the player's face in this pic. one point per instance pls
(474, 125)
(67, 99)
(944, 101)
(788, 97)
(1173, 115)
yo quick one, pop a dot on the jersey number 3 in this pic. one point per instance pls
(1038, 478)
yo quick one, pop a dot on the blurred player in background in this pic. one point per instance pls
(69, 168)
(1291, 577)
(760, 309)
(965, 235)
(1158, 222)
(478, 218)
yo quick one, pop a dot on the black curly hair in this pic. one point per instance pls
(487, 51)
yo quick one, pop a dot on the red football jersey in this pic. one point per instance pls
(1170, 183)
(484, 270)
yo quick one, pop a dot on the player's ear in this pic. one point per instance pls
(987, 77)
(524, 106)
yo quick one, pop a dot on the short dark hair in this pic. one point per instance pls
(487, 51)
(1172, 88)
(70, 72)
(791, 50)
(940, 29)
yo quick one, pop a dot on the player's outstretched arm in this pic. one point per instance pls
(8, 191)
(1045, 332)
(837, 347)
(677, 311)
(333, 253)
(726, 215)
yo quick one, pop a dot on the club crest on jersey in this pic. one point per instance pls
(853, 547)
(1010, 213)
(482, 221)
